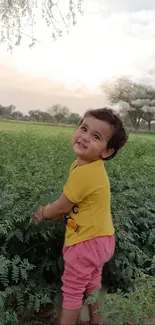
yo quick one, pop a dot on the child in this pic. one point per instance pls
(90, 239)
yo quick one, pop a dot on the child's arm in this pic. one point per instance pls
(56, 210)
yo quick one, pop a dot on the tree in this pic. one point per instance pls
(26, 117)
(46, 117)
(2, 110)
(149, 108)
(18, 16)
(74, 118)
(35, 115)
(149, 116)
(136, 101)
(7, 111)
(17, 115)
(60, 113)
(11, 108)
(125, 118)
(40, 116)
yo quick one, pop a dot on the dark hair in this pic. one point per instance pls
(119, 136)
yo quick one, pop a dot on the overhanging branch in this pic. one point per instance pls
(22, 14)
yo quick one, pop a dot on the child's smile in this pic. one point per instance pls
(81, 145)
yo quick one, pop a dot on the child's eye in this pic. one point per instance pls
(83, 128)
(96, 136)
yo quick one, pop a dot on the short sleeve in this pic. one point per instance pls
(78, 185)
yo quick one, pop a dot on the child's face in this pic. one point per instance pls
(91, 139)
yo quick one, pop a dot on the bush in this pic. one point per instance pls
(132, 182)
(30, 256)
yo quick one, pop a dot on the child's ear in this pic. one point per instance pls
(107, 153)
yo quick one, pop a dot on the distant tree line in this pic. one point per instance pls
(56, 114)
(135, 102)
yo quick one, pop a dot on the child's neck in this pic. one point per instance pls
(82, 162)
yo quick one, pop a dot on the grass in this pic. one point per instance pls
(34, 160)
(39, 128)
(136, 308)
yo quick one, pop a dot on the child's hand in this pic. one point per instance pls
(39, 214)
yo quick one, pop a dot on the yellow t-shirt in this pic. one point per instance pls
(88, 187)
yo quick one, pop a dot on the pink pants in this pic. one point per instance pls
(83, 268)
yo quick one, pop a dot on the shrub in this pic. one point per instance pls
(136, 308)
(33, 167)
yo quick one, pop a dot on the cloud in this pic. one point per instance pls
(128, 5)
(37, 93)
(109, 41)
(100, 47)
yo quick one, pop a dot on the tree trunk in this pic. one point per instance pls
(134, 119)
(136, 125)
(149, 125)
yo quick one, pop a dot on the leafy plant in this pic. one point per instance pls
(136, 308)
(33, 166)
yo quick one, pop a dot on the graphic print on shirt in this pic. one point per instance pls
(75, 209)
(70, 222)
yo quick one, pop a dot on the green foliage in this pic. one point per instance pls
(34, 164)
(30, 256)
(136, 308)
(132, 184)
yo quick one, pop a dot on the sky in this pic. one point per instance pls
(111, 39)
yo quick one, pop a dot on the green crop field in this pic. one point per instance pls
(34, 162)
